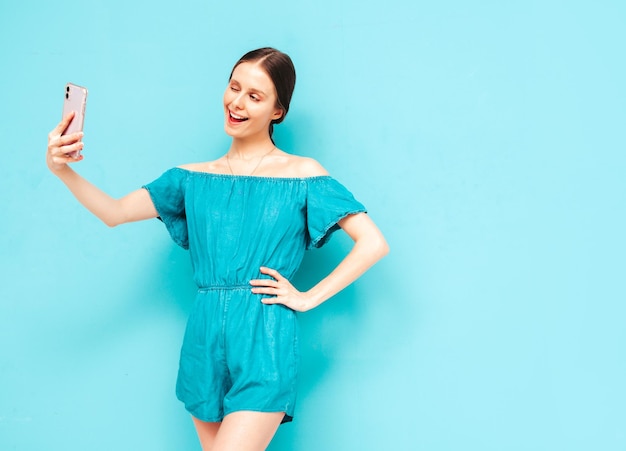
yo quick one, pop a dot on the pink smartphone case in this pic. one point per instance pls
(75, 100)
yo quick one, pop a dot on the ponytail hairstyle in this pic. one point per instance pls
(281, 71)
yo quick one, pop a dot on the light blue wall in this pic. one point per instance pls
(486, 138)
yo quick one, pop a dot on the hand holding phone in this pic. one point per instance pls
(76, 101)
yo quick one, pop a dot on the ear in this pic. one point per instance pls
(278, 113)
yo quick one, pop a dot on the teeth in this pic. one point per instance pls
(234, 116)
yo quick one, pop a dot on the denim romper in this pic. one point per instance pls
(238, 353)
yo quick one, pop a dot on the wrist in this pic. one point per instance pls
(313, 299)
(59, 169)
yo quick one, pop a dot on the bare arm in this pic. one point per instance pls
(133, 207)
(369, 247)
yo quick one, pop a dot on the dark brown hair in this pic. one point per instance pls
(281, 71)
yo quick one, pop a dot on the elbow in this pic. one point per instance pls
(382, 248)
(373, 245)
(385, 249)
(111, 221)
(377, 246)
(114, 216)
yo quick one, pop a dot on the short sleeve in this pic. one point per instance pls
(328, 202)
(168, 196)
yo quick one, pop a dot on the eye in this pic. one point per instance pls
(234, 88)
(254, 97)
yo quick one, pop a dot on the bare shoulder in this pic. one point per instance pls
(280, 165)
(193, 166)
(206, 166)
(306, 167)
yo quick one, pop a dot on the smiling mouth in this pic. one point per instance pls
(236, 118)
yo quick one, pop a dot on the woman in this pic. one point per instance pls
(246, 219)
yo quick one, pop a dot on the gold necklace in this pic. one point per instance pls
(255, 168)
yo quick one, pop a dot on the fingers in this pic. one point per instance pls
(63, 149)
(274, 284)
(281, 290)
(271, 301)
(267, 286)
(266, 290)
(272, 287)
(67, 140)
(272, 272)
(66, 144)
(62, 126)
(65, 158)
(264, 283)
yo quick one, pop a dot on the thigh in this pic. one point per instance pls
(247, 431)
(206, 433)
(262, 357)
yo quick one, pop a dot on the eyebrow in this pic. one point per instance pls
(258, 91)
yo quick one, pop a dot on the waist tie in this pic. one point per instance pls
(224, 288)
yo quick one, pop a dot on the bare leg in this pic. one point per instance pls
(247, 431)
(206, 433)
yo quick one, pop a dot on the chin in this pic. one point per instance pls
(229, 130)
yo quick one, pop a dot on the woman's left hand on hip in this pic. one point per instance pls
(282, 290)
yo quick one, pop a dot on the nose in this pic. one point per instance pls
(237, 101)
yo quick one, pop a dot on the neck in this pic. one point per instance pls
(247, 149)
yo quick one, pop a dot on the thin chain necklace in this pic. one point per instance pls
(255, 168)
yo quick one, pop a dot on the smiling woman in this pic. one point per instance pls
(247, 219)
(259, 91)
(250, 103)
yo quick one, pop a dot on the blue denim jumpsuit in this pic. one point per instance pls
(238, 353)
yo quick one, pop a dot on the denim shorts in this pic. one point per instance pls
(238, 354)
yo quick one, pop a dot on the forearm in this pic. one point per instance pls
(363, 255)
(105, 207)
(62, 151)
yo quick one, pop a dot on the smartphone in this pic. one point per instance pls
(75, 100)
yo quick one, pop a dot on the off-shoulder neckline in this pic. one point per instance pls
(259, 177)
